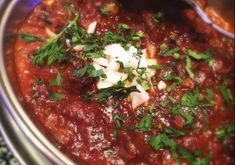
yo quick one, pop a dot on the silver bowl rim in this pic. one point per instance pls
(16, 111)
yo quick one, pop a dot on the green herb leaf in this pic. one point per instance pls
(123, 27)
(90, 70)
(57, 81)
(203, 161)
(187, 155)
(191, 99)
(87, 96)
(30, 38)
(118, 120)
(151, 108)
(56, 96)
(53, 50)
(158, 17)
(117, 91)
(172, 132)
(137, 36)
(226, 92)
(226, 131)
(105, 10)
(145, 124)
(172, 77)
(188, 67)
(162, 141)
(176, 110)
(173, 100)
(201, 56)
(171, 52)
(129, 71)
(156, 67)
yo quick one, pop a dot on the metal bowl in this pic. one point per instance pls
(25, 140)
(27, 143)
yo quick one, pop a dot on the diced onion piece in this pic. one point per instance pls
(101, 61)
(113, 65)
(50, 33)
(91, 27)
(132, 50)
(116, 51)
(143, 62)
(151, 50)
(114, 77)
(104, 84)
(139, 98)
(161, 85)
(97, 66)
(132, 62)
(78, 47)
(68, 42)
(152, 62)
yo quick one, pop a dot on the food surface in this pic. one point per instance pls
(128, 82)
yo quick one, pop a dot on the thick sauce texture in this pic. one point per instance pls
(193, 112)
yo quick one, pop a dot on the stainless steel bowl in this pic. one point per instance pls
(27, 143)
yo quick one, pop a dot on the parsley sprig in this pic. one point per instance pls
(53, 50)
(118, 91)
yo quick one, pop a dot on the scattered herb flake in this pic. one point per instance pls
(172, 132)
(87, 96)
(145, 123)
(105, 10)
(117, 91)
(56, 96)
(188, 67)
(90, 71)
(201, 56)
(226, 92)
(53, 50)
(158, 17)
(191, 99)
(57, 81)
(30, 37)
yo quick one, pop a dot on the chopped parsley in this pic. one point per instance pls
(56, 96)
(156, 67)
(87, 96)
(226, 92)
(172, 132)
(158, 17)
(209, 96)
(145, 123)
(105, 10)
(164, 141)
(188, 67)
(117, 91)
(191, 99)
(200, 56)
(57, 81)
(176, 110)
(53, 50)
(171, 77)
(129, 72)
(90, 71)
(225, 132)
(171, 51)
(30, 38)
(118, 120)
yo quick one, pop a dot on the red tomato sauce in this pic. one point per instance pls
(86, 130)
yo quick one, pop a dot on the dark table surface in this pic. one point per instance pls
(6, 157)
